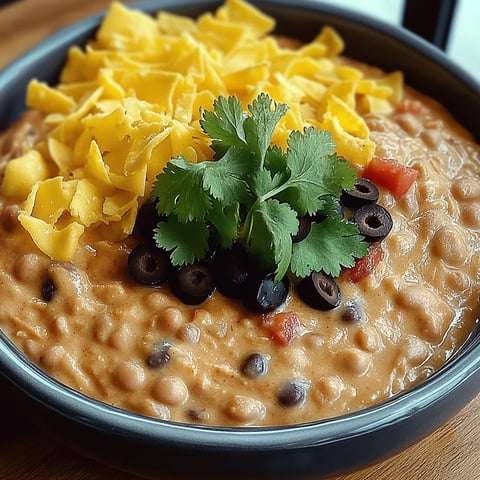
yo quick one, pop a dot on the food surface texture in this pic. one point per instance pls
(143, 100)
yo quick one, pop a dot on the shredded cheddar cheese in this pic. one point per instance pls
(132, 98)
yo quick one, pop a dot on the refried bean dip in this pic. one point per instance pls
(91, 148)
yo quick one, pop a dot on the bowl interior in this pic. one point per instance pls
(368, 40)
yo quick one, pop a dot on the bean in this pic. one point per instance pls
(403, 243)
(170, 391)
(432, 315)
(109, 292)
(32, 348)
(155, 409)
(198, 415)
(160, 357)
(52, 356)
(48, 289)
(415, 350)
(103, 327)
(122, 338)
(376, 123)
(450, 245)
(156, 300)
(432, 138)
(328, 389)
(297, 358)
(246, 409)
(470, 215)
(129, 376)
(293, 393)
(171, 319)
(353, 312)
(9, 217)
(28, 268)
(409, 123)
(202, 317)
(457, 280)
(255, 365)
(61, 325)
(75, 286)
(367, 339)
(189, 333)
(354, 361)
(466, 189)
(314, 340)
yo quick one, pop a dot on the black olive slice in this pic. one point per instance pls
(148, 264)
(194, 283)
(319, 291)
(304, 227)
(266, 295)
(364, 192)
(373, 222)
(233, 271)
(147, 220)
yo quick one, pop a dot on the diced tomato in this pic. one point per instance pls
(284, 327)
(390, 174)
(410, 106)
(365, 265)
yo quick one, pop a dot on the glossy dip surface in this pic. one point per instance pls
(371, 427)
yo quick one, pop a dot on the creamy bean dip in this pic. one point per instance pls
(86, 322)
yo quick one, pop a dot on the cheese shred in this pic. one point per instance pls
(131, 99)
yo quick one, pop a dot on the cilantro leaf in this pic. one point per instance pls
(260, 125)
(330, 245)
(224, 125)
(330, 206)
(253, 193)
(315, 171)
(276, 160)
(225, 178)
(225, 220)
(176, 237)
(262, 182)
(270, 226)
(179, 190)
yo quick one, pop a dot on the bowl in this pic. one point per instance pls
(151, 447)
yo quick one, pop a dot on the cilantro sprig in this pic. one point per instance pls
(253, 193)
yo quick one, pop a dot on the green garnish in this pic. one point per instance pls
(254, 193)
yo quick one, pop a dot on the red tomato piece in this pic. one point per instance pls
(365, 265)
(390, 174)
(284, 327)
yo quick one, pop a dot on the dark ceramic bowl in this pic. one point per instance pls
(156, 448)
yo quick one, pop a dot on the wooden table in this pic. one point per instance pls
(451, 453)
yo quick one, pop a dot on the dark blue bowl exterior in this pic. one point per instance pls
(154, 448)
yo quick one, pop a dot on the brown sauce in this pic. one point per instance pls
(99, 329)
(89, 325)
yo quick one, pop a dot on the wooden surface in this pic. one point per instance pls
(451, 453)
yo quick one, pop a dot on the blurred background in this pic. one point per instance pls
(450, 24)
(457, 23)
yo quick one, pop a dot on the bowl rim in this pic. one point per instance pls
(20, 371)
(397, 32)
(70, 403)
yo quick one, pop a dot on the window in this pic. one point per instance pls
(464, 37)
